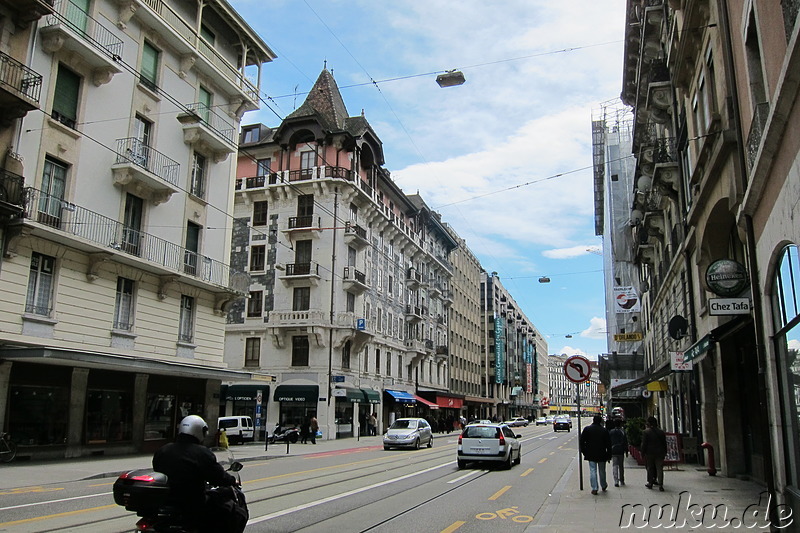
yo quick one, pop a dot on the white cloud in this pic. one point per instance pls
(567, 253)
(596, 329)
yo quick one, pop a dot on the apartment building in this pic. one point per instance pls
(114, 274)
(712, 85)
(350, 295)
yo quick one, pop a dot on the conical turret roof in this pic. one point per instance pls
(325, 102)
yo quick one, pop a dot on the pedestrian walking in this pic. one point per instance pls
(304, 432)
(372, 424)
(313, 427)
(654, 449)
(595, 445)
(619, 450)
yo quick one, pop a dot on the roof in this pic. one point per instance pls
(324, 101)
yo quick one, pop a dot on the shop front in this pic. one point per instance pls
(297, 403)
(347, 403)
(246, 400)
(398, 404)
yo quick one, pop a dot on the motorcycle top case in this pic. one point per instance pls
(141, 491)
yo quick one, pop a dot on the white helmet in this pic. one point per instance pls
(195, 426)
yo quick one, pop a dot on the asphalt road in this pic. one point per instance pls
(350, 490)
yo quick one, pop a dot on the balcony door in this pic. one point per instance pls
(51, 201)
(132, 224)
(192, 248)
(142, 131)
(77, 14)
(302, 257)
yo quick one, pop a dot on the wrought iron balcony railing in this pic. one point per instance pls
(11, 188)
(214, 121)
(20, 80)
(87, 27)
(111, 234)
(132, 150)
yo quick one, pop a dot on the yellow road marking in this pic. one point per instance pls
(58, 515)
(101, 484)
(452, 527)
(543, 459)
(500, 492)
(25, 490)
(525, 473)
(552, 453)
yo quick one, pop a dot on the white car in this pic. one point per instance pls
(491, 443)
(517, 421)
(480, 422)
(408, 433)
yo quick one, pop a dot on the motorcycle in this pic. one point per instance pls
(291, 435)
(147, 493)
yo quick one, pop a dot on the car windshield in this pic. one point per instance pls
(480, 432)
(404, 424)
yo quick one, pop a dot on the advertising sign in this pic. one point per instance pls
(729, 306)
(499, 351)
(626, 300)
(628, 337)
(726, 277)
(529, 377)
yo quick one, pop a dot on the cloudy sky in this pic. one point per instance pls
(505, 158)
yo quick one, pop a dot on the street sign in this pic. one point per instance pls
(577, 369)
(729, 306)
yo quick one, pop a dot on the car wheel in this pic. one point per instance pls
(430, 442)
(386, 448)
(417, 444)
(519, 457)
(462, 464)
(508, 463)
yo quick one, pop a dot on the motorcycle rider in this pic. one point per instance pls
(188, 466)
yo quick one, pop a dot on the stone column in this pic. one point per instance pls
(77, 409)
(139, 410)
(5, 379)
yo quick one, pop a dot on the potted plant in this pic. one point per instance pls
(634, 427)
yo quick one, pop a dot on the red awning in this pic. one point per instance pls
(448, 402)
(426, 402)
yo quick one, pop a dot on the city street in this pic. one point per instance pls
(360, 488)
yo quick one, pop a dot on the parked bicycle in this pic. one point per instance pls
(8, 448)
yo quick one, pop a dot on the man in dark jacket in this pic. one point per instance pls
(619, 449)
(595, 445)
(188, 466)
(654, 449)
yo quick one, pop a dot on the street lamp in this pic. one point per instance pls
(450, 78)
(544, 279)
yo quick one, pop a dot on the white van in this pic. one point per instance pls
(237, 428)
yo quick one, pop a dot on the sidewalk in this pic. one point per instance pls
(687, 503)
(35, 473)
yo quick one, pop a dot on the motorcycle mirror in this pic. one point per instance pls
(235, 466)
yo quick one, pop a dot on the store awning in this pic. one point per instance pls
(477, 399)
(401, 396)
(660, 372)
(425, 402)
(449, 402)
(371, 396)
(296, 393)
(351, 394)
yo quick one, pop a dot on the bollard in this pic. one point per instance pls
(712, 470)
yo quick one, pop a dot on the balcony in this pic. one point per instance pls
(303, 227)
(103, 238)
(11, 199)
(294, 319)
(20, 88)
(139, 164)
(355, 235)
(447, 297)
(665, 170)
(354, 280)
(192, 50)
(256, 182)
(27, 11)
(304, 273)
(413, 278)
(416, 347)
(71, 28)
(202, 126)
(757, 128)
(415, 313)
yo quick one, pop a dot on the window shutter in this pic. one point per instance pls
(65, 99)
(149, 69)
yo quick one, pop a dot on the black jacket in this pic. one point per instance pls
(595, 443)
(188, 466)
(619, 441)
(654, 442)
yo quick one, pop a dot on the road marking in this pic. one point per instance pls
(53, 501)
(525, 473)
(452, 527)
(102, 484)
(499, 493)
(471, 473)
(552, 453)
(543, 459)
(25, 490)
(342, 495)
(58, 515)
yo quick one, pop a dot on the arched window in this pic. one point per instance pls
(786, 323)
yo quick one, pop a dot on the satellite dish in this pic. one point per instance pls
(678, 327)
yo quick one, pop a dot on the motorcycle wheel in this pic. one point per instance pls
(293, 438)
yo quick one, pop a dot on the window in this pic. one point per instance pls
(186, 326)
(300, 351)
(258, 258)
(148, 72)
(366, 359)
(388, 364)
(260, 213)
(301, 300)
(207, 35)
(390, 285)
(65, 98)
(377, 361)
(140, 147)
(400, 366)
(123, 307)
(307, 164)
(198, 187)
(351, 302)
(206, 104)
(346, 356)
(263, 166)
(305, 205)
(255, 304)
(252, 351)
(132, 224)
(250, 135)
(40, 285)
(192, 248)
(51, 201)
(302, 257)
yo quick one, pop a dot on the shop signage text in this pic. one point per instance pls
(729, 306)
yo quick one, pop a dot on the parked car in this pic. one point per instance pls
(541, 421)
(408, 433)
(550, 419)
(561, 423)
(517, 421)
(237, 428)
(491, 443)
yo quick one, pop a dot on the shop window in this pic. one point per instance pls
(38, 414)
(109, 416)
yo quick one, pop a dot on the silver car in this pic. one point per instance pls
(491, 443)
(408, 433)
